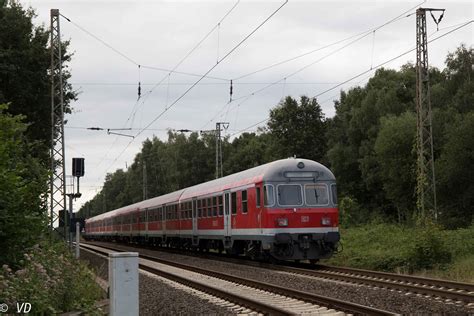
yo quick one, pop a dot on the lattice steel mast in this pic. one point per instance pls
(58, 167)
(426, 180)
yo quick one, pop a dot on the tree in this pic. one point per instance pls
(24, 73)
(23, 183)
(455, 174)
(397, 159)
(298, 129)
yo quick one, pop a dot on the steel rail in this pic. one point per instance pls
(231, 297)
(328, 302)
(457, 291)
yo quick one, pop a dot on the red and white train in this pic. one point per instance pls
(286, 209)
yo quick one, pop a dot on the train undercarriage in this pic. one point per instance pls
(283, 246)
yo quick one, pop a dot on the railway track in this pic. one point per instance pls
(449, 291)
(257, 296)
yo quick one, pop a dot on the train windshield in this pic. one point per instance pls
(316, 194)
(289, 195)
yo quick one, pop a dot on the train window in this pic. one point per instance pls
(316, 194)
(214, 206)
(244, 202)
(257, 194)
(234, 202)
(204, 210)
(289, 194)
(209, 207)
(199, 208)
(221, 206)
(268, 195)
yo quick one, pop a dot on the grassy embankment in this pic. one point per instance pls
(430, 252)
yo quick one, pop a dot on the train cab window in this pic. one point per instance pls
(316, 194)
(334, 194)
(244, 202)
(221, 206)
(257, 196)
(234, 202)
(268, 195)
(289, 195)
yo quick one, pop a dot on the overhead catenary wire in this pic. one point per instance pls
(371, 30)
(183, 59)
(203, 76)
(137, 104)
(364, 72)
(358, 37)
(213, 67)
(133, 61)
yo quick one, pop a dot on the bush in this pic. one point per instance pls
(429, 249)
(51, 280)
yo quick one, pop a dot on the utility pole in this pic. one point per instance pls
(144, 180)
(219, 166)
(57, 180)
(426, 180)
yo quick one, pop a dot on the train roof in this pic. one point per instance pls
(283, 170)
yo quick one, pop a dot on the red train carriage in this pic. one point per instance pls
(286, 209)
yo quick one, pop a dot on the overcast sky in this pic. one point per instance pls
(160, 33)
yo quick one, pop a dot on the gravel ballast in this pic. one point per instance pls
(386, 299)
(159, 297)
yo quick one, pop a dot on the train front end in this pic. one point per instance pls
(300, 217)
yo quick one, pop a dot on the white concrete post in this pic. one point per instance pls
(123, 283)
(77, 239)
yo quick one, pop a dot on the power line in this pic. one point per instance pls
(212, 68)
(147, 95)
(372, 30)
(200, 83)
(392, 59)
(143, 100)
(131, 60)
(203, 76)
(357, 37)
(364, 72)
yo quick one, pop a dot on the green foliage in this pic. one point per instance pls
(428, 250)
(298, 129)
(23, 184)
(401, 248)
(51, 280)
(371, 141)
(25, 59)
(455, 173)
(394, 148)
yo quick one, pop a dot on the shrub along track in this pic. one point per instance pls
(284, 301)
(449, 291)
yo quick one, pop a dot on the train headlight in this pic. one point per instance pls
(326, 221)
(282, 222)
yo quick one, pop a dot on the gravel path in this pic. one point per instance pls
(375, 297)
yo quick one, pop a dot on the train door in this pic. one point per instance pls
(227, 215)
(195, 217)
(164, 218)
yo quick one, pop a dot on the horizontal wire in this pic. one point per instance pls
(365, 72)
